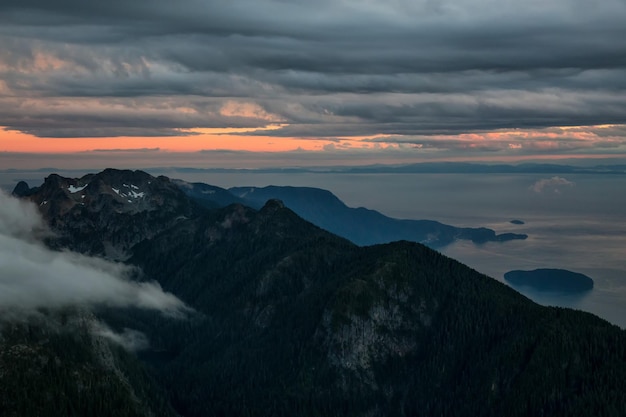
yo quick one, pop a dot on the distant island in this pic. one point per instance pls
(546, 279)
(516, 221)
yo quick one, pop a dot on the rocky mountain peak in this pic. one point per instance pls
(273, 205)
(21, 189)
(122, 207)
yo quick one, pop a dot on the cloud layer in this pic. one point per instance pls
(323, 69)
(34, 277)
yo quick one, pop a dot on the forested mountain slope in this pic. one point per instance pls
(292, 320)
(52, 364)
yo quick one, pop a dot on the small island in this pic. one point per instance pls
(517, 221)
(553, 280)
(505, 237)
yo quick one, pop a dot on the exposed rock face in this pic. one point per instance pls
(109, 212)
(372, 321)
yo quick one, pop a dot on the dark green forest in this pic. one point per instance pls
(292, 320)
(279, 323)
(51, 365)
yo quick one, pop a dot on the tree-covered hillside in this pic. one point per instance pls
(292, 320)
(297, 320)
(51, 364)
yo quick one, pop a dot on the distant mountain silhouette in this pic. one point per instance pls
(209, 196)
(363, 226)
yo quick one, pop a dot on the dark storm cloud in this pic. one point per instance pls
(325, 69)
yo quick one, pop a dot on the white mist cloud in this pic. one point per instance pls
(33, 276)
(19, 219)
(129, 339)
(554, 184)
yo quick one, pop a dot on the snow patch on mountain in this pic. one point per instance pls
(73, 189)
(131, 193)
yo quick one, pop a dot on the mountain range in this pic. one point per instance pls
(286, 318)
(359, 225)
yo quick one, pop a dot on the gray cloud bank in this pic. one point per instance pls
(34, 277)
(324, 68)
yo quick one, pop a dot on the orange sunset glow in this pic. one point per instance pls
(204, 139)
(231, 139)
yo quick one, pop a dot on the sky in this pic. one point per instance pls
(250, 83)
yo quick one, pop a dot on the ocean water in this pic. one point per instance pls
(574, 222)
